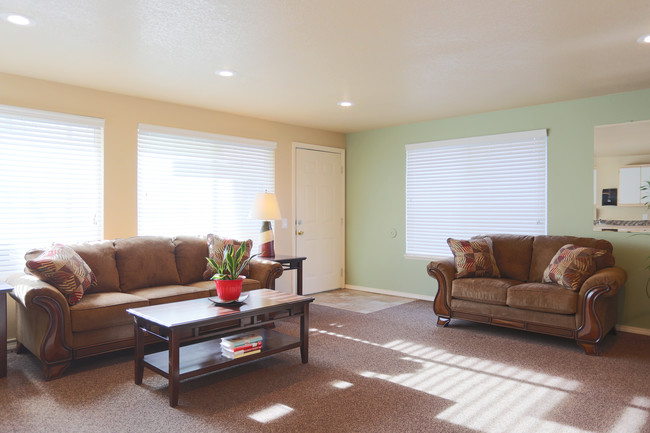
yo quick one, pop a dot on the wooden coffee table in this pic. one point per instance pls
(192, 330)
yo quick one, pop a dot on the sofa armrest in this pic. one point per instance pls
(444, 271)
(597, 305)
(265, 271)
(28, 287)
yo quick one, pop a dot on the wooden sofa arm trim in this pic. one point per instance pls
(591, 330)
(53, 348)
(440, 305)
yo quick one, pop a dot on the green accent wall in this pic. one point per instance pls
(375, 198)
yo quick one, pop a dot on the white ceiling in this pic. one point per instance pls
(400, 61)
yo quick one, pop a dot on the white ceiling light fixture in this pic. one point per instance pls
(645, 39)
(226, 73)
(345, 104)
(17, 19)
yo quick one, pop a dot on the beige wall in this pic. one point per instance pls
(122, 115)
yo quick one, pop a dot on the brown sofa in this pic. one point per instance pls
(519, 299)
(130, 273)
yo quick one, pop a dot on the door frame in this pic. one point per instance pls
(294, 239)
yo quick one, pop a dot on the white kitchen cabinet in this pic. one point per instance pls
(630, 180)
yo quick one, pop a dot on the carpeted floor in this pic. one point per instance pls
(388, 371)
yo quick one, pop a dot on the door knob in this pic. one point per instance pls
(300, 233)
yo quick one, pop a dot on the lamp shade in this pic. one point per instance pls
(265, 207)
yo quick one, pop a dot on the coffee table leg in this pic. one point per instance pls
(139, 352)
(174, 358)
(304, 335)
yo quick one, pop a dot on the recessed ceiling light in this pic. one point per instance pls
(19, 20)
(645, 39)
(345, 104)
(225, 73)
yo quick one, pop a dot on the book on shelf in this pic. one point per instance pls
(250, 346)
(240, 339)
(241, 353)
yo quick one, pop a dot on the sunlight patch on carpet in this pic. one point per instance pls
(271, 413)
(490, 396)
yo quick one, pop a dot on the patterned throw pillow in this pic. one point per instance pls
(216, 246)
(474, 258)
(63, 268)
(572, 265)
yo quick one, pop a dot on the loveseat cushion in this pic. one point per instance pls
(549, 298)
(473, 258)
(146, 261)
(165, 294)
(545, 248)
(513, 254)
(571, 266)
(484, 290)
(104, 310)
(191, 252)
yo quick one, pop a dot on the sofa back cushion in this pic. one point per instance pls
(145, 261)
(100, 258)
(545, 248)
(191, 253)
(513, 254)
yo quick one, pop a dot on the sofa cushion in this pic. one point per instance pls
(549, 298)
(473, 258)
(165, 294)
(104, 310)
(545, 248)
(571, 266)
(62, 267)
(145, 261)
(100, 256)
(485, 290)
(216, 247)
(191, 252)
(513, 254)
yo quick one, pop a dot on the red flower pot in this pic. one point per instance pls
(229, 290)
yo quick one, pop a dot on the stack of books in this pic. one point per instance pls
(240, 345)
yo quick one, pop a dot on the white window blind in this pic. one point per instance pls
(471, 186)
(51, 182)
(191, 182)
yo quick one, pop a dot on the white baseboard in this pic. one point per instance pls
(622, 328)
(390, 292)
(633, 329)
(11, 344)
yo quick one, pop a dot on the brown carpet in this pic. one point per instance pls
(389, 371)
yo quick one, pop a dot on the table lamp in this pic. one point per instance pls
(265, 207)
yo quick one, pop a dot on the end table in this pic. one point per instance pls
(290, 263)
(4, 289)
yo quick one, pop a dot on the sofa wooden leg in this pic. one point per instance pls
(54, 371)
(443, 321)
(589, 348)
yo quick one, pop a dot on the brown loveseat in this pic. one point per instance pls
(519, 299)
(130, 273)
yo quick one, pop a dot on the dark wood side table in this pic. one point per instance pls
(4, 289)
(290, 263)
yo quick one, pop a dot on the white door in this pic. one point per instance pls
(319, 222)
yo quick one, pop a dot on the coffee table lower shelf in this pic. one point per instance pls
(205, 357)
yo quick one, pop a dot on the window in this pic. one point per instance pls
(471, 186)
(51, 187)
(197, 183)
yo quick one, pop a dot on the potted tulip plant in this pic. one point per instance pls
(228, 277)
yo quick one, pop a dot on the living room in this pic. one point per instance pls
(375, 197)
